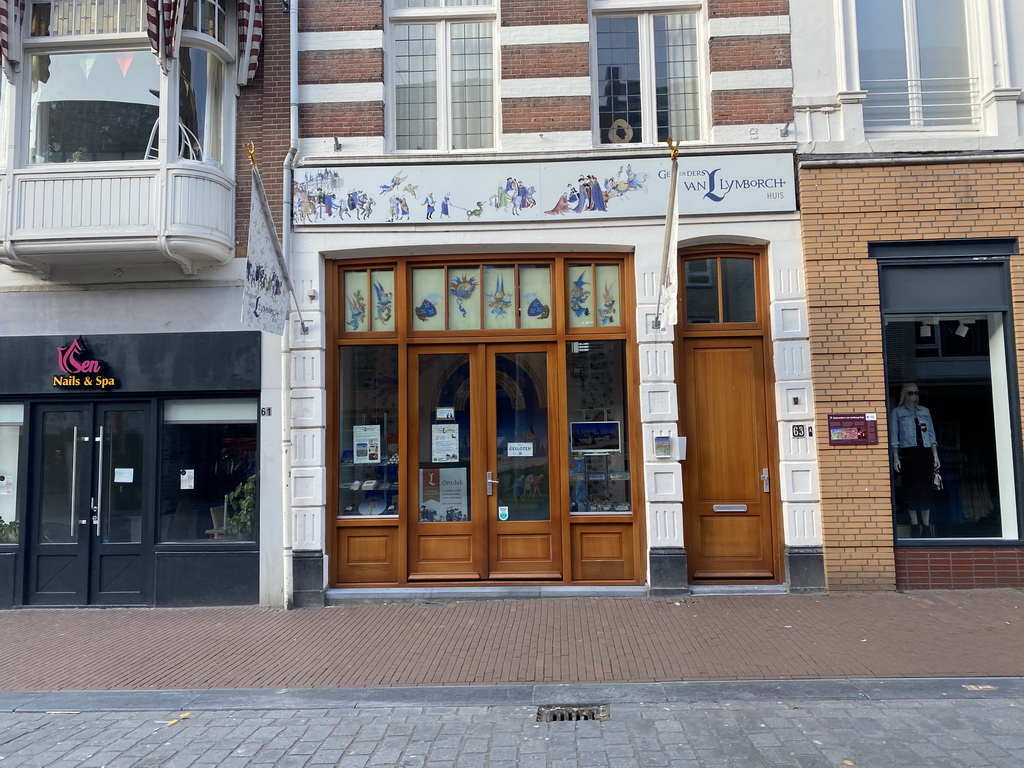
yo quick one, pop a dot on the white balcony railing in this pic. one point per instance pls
(133, 213)
(939, 102)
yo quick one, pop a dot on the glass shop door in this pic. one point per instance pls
(484, 497)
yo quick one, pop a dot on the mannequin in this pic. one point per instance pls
(915, 457)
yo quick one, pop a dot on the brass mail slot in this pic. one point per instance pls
(730, 507)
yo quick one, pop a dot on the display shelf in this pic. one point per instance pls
(368, 490)
(599, 483)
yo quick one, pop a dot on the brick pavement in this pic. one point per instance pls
(515, 641)
(738, 734)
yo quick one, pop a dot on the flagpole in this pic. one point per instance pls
(673, 211)
(275, 241)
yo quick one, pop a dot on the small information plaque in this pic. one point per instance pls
(852, 429)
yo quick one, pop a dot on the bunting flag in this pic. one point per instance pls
(265, 302)
(668, 287)
(12, 14)
(250, 39)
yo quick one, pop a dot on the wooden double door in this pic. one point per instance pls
(484, 477)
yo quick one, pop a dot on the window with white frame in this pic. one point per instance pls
(95, 84)
(915, 64)
(647, 77)
(443, 65)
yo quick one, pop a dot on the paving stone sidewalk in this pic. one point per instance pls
(737, 734)
(518, 641)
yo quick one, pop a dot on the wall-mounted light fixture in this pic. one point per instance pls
(337, 144)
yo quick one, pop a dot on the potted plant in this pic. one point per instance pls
(8, 532)
(243, 504)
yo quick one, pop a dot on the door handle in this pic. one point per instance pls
(765, 481)
(491, 483)
(99, 486)
(74, 476)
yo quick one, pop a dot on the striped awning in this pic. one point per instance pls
(12, 15)
(250, 38)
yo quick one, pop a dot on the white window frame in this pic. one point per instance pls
(646, 11)
(987, 41)
(442, 17)
(136, 41)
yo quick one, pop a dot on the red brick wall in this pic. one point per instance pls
(565, 60)
(959, 568)
(844, 209)
(766, 105)
(722, 8)
(336, 15)
(352, 118)
(347, 66)
(263, 120)
(536, 115)
(527, 13)
(744, 52)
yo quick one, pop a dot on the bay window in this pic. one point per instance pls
(95, 84)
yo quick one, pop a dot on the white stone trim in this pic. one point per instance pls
(749, 25)
(544, 34)
(334, 93)
(341, 41)
(534, 87)
(750, 79)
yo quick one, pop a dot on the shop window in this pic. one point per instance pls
(368, 478)
(594, 298)
(647, 83)
(951, 411)
(209, 471)
(720, 290)
(96, 86)
(492, 297)
(443, 75)
(949, 426)
(11, 416)
(599, 460)
(914, 63)
(369, 300)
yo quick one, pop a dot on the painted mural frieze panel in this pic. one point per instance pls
(561, 191)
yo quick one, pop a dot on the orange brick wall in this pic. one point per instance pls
(742, 52)
(844, 209)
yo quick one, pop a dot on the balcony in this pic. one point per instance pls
(93, 214)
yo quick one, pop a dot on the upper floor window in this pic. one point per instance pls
(647, 78)
(443, 74)
(914, 61)
(95, 84)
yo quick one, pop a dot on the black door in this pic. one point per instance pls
(90, 504)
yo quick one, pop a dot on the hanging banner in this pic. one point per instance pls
(265, 302)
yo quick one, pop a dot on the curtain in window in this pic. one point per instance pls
(12, 13)
(250, 38)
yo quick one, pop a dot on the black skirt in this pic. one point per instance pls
(917, 469)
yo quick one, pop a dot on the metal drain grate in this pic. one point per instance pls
(556, 713)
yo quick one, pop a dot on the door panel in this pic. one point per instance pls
(728, 506)
(524, 540)
(86, 507)
(446, 531)
(481, 481)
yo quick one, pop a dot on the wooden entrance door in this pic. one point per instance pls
(727, 511)
(480, 479)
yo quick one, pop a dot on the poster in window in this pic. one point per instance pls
(428, 299)
(382, 300)
(581, 296)
(366, 443)
(609, 302)
(534, 297)
(499, 297)
(464, 298)
(444, 443)
(444, 495)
